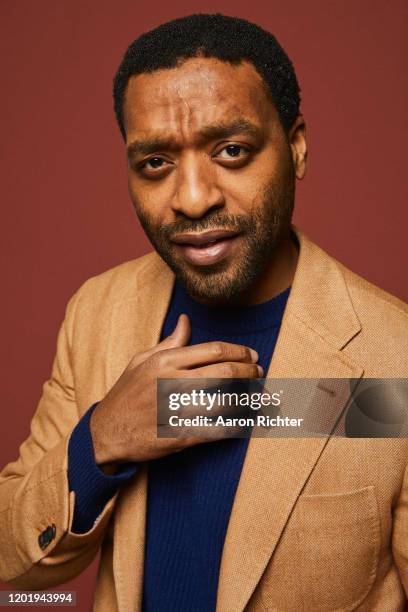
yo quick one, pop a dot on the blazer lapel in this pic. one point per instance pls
(136, 327)
(137, 318)
(319, 320)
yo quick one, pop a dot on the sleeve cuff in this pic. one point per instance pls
(93, 488)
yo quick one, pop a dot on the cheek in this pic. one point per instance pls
(244, 190)
(270, 165)
(150, 198)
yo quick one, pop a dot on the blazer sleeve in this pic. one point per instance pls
(400, 534)
(37, 547)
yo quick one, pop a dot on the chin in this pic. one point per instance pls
(214, 288)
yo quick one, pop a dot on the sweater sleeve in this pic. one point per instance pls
(93, 488)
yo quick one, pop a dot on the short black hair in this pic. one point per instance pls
(229, 39)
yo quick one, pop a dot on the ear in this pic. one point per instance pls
(297, 141)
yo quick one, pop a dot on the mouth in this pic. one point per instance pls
(206, 248)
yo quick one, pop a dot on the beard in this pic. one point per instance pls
(261, 231)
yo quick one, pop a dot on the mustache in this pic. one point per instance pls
(238, 223)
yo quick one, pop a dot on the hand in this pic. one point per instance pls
(124, 424)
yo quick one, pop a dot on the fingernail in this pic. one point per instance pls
(260, 371)
(254, 355)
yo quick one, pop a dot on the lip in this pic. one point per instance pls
(203, 237)
(206, 248)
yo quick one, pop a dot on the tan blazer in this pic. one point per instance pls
(317, 524)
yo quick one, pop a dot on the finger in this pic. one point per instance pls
(188, 357)
(178, 338)
(214, 378)
(228, 369)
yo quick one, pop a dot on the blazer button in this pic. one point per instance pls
(47, 536)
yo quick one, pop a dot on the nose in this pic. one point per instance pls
(197, 191)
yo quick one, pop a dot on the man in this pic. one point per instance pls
(209, 109)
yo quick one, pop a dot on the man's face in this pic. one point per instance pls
(211, 173)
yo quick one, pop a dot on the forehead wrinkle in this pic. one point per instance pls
(203, 135)
(200, 127)
(199, 91)
(187, 119)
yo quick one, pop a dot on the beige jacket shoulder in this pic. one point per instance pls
(317, 523)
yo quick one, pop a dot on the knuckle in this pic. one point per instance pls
(227, 370)
(155, 360)
(243, 353)
(163, 358)
(218, 349)
(254, 370)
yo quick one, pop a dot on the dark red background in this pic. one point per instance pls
(65, 212)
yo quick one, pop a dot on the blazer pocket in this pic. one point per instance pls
(339, 537)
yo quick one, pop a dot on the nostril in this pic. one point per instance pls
(195, 208)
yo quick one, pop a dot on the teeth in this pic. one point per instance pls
(206, 244)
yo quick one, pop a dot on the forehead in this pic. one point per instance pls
(200, 91)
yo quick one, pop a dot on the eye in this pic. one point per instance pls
(232, 150)
(233, 154)
(155, 167)
(154, 163)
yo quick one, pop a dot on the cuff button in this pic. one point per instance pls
(47, 536)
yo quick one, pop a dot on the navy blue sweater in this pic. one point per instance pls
(190, 494)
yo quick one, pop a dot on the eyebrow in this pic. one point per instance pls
(206, 133)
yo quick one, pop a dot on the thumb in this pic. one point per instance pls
(178, 338)
(180, 335)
